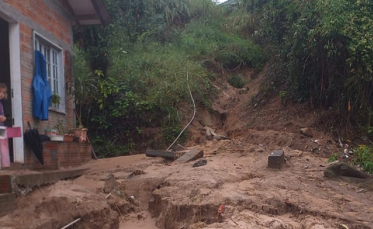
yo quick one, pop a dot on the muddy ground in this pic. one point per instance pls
(157, 193)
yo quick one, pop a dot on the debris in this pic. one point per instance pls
(220, 211)
(200, 163)
(307, 132)
(342, 169)
(243, 90)
(192, 155)
(70, 224)
(108, 196)
(343, 226)
(136, 173)
(160, 153)
(276, 159)
(110, 183)
(179, 147)
(210, 134)
(233, 220)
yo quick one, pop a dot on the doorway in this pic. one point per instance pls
(5, 78)
(10, 74)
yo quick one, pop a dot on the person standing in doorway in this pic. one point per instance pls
(4, 148)
(3, 95)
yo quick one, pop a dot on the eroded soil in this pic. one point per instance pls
(176, 196)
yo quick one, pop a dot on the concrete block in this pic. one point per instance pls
(192, 155)
(276, 159)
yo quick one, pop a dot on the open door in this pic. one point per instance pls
(10, 74)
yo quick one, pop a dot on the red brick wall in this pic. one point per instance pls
(5, 184)
(60, 155)
(50, 19)
(6, 203)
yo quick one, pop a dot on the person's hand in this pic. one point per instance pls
(2, 118)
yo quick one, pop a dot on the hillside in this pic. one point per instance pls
(169, 195)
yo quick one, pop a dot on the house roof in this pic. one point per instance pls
(88, 12)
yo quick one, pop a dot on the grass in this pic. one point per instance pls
(364, 157)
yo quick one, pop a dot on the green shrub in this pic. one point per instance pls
(236, 81)
(364, 157)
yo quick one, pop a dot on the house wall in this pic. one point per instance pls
(51, 20)
(58, 155)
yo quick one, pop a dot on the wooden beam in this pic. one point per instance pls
(84, 17)
(70, 9)
(100, 8)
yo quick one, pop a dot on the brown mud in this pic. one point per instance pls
(178, 196)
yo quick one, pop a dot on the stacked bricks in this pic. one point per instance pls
(52, 20)
(72, 154)
(60, 154)
(6, 197)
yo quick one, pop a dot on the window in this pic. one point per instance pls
(53, 58)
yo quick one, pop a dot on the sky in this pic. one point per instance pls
(220, 1)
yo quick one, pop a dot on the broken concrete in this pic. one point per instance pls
(192, 155)
(24, 183)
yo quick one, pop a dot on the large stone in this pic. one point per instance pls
(276, 159)
(192, 155)
(110, 183)
(342, 169)
(307, 132)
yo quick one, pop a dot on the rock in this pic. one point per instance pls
(307, 132)
(243, 90)
(342, 169)
(211, 134)
(110, 183)
(200, 163)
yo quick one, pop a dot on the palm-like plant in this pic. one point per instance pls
(83, 90)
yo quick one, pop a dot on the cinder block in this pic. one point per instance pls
(276, 159)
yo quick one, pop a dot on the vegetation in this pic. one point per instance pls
(143, 59)
(364, 158)
(135, 69)
(322, 53)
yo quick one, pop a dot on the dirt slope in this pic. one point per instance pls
(155, 193)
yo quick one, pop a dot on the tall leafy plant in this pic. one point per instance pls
(84, 88)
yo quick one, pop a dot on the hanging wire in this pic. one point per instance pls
(194, 114)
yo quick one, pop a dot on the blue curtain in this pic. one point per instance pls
(41, 88)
